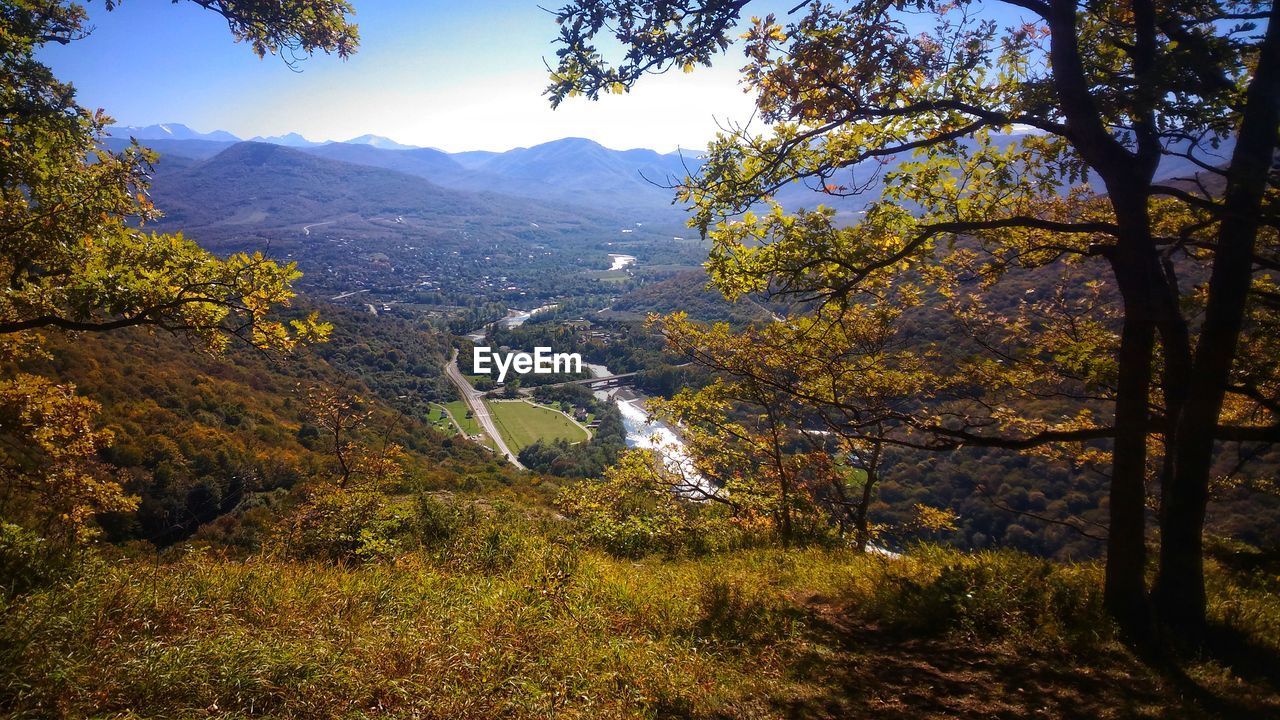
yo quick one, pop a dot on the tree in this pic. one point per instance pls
(50, 475)
(343, 420)
(823, 390)
(634, 511)
(916, 100)
(75, 255)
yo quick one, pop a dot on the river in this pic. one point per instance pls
(514, 318)
(643, 432)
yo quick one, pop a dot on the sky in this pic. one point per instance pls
(452, 75)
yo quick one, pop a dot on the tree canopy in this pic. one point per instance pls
(1029, 153)
(75, 254)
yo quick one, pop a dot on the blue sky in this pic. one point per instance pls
(454, 75)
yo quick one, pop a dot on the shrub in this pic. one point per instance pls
(628, 515)
(348, 525)
(437, 522)
(27, 561)
(933, 591)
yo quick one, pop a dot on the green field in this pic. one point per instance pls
(523, 424)
(609, 276)
(443, 424)
(458, 409)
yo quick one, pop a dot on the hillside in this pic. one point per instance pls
(926, 378)
(438, 167)
(687, 292)
(353, 226)
(270, 186)
(486, 613)
(200, 436)
(585, 171)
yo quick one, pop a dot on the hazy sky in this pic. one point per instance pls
(453, 75)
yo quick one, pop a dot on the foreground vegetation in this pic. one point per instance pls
(492, 614)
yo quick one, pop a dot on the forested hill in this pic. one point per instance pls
(203, 439)
(262, 187)
(688, 292)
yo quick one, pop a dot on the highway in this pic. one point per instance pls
(475, 400)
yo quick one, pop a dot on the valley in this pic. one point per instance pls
(882, 360)
(411, 237)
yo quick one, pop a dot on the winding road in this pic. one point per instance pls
(475, 400)
(306, 229)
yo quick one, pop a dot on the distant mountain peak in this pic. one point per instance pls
(292, 139)
(169, 131)
(570, 141)
(380, 142)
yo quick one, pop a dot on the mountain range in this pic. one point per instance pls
(571, 171)
(262, 186)
(567, 172)
(178, 131)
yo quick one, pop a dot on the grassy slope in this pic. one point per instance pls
(523, 424)
(505, 624)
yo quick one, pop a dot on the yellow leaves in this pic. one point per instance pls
(312, 329)
(765, 30)
(59, 481)
(933, 519)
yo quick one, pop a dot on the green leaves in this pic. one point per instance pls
(291, 28)
(74, 256)
(658, 36)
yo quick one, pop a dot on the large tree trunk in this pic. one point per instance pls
(1139, 279)
(1179, 592)
(1125, 589)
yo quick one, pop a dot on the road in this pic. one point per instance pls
(306, 229)
(475, 400)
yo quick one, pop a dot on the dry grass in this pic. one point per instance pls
(507, 622)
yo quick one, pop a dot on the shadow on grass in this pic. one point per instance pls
(856, 671)
(1238, 652)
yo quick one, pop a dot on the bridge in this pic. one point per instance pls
(604, 381)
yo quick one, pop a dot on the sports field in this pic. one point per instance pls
(522, 424)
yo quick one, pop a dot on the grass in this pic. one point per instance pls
(443, 424)
(501, 621)
(467, 425)
(522, 424)
(459, 410)
(608, 276)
